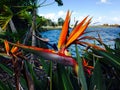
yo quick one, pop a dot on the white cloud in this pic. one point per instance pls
(49, 15)
(106, 19)
(61, 13)
(54, 16)
(115, 20)
(79, 16)
(103, 1)
(98, 20)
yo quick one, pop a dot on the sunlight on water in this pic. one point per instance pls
(107, 35)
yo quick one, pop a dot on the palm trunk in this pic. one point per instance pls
(33, 32)
(12, 26)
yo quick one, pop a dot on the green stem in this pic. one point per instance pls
(51, 75)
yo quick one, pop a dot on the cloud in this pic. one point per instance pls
(61, 13)
(106, 19)
(49, 15)
(98, 20)
(77, 16)
(54, 16)
(103, 2)
(115, 20)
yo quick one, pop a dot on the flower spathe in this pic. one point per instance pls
(7, 48)
(62, 55)
(87, 67)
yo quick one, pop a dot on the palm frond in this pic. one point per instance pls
(5, 17)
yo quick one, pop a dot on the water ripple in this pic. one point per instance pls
(106, 34)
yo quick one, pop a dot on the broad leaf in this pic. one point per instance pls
(63, 78)
(110, 57)
(97, 82)
(81, 75)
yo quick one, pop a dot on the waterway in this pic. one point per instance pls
(107, 34)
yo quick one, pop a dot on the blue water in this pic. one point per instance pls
(107, 35)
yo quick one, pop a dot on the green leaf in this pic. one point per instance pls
(60, 3)
(33, 75)
(5, 17)
(6, 69)
(81, 75)
(44, 65)
(10, 72)
(63, 78)
(3, 86)
(38, 84)
(110, 57)
(117, 43)
(97, 82)
(51, 75)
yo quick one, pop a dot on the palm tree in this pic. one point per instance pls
(34, 13)
(6, 18)
(13, 8)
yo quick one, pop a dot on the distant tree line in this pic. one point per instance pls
(112, 25)
(49, 22)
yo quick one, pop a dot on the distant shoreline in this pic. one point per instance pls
(105, 26)
(46, 28)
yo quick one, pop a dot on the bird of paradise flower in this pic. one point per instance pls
(64, 42)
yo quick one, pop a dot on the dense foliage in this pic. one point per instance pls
(98, 68)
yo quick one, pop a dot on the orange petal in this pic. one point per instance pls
(78, 33)
(77, 28)
(7, 48)
(64, 32)
(89, 67)
(84, 62)
(14, 49)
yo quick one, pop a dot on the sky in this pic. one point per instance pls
(101, 11)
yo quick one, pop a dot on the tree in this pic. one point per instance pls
(35, 5)
(60, 21)
(26, 9)
(10, 9)
(34, 13)
(40, 21)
